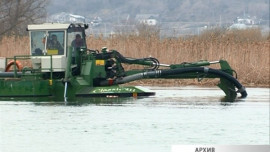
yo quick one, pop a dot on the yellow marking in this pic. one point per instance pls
(52, 52)
(100, 62)
(50, 82)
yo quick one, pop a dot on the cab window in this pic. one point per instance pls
(55, 43)
(76, 40)
(38, 42)
(76, 37)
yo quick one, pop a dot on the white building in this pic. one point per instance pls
(244, 23)
(148, 19)
(64, 17)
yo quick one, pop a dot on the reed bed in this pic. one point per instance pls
(246, 51)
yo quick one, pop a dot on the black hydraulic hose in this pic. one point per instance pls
(241, 89)
(170, 72)
(10, 74)
(154, 62)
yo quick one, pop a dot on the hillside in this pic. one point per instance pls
(169, 10)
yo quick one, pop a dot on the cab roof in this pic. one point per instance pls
(52, 26)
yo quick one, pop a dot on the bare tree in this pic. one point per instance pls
(16, 14)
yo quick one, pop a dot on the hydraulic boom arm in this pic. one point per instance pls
(117, 75)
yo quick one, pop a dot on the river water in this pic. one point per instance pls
(175, 116)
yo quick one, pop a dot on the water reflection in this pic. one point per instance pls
(164, 97)
(175, 102)
(129, 101)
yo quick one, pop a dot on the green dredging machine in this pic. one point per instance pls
(68, 70)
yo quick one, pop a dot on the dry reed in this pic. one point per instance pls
(246, 51)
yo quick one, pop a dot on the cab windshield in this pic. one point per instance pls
(55, 43)
(47, 42)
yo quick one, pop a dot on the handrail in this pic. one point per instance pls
(27, 57)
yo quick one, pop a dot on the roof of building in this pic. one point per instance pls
(146, 16)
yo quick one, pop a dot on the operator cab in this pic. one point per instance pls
(54, 39)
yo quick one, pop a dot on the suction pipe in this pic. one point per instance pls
(162, 73)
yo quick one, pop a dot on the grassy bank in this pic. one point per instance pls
(246, 51)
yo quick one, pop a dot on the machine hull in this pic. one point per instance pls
(38, 88)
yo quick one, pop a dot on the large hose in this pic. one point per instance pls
(170, 72)
(10, 74)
